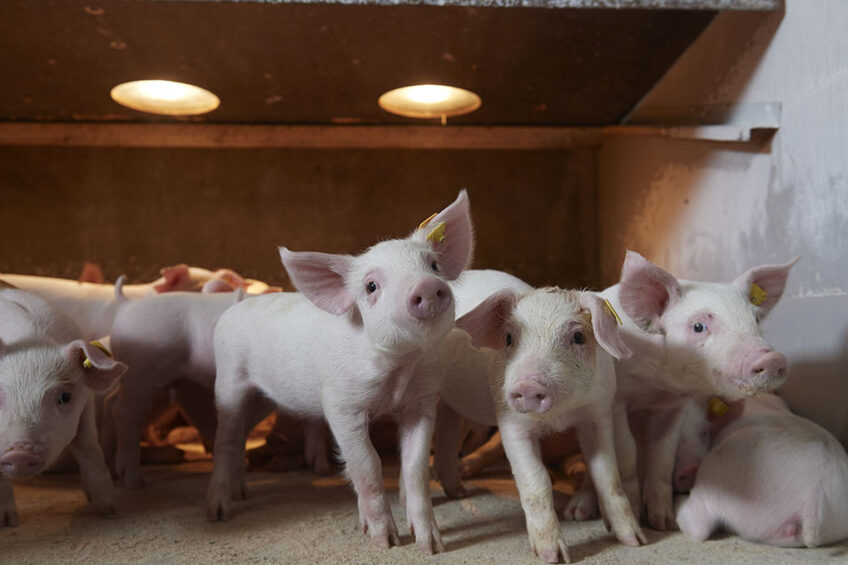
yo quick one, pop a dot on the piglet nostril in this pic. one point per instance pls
(430, 298)
(529, 395)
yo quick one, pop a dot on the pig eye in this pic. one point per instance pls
(579, 338)
(65, 398)
(435, 266)
(698, 327)
(371, 287)
(509, 340)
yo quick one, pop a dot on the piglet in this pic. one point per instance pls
(163, 338)
(771, 477)
(47, 375)
(92, 306)
(690, 339)
(546, 366)
(348, 353)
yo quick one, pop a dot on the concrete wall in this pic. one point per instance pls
(135, 210)
(711, 210)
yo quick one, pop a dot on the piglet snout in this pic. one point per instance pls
(21, 460)
(684, 478)
(772, 364)
(530, 395)
(429, 298)
(766, 367)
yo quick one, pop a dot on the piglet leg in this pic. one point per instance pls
(625, 452)
(416, 431)
(534, 489)
(446, 448)
(693, 517)
(129, 412)
(485, 455)
(8, 510)
(96, 479)
(663, 433)
(596, 441)
(350, 428)
(227, 482)
(315, 446)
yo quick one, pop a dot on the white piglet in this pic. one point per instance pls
(546, 366)
(348, 354)
(163, 338)
(690, 339)
(92, 306)
(47, 375)
(771, 477)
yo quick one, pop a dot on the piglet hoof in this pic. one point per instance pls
(218, 503)
(658, 506)
(581, 507)
(105, 511)
(10, 517)
(103, 502)
(455, 491)
(218, 512)
(384, 537)
(550, 547)
(427, 535)
(130, 479)
(628, 531)
(383, 532)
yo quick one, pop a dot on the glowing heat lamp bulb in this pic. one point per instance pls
(428, 93)
(165, 97)
(429, 101)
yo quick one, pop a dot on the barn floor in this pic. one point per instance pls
(298, 517)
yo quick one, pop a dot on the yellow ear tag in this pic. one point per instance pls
(437, 234)
(87, 363)
(612, 311)
(758, 295)
(423, 224)
(717, 406)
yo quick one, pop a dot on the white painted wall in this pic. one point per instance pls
(710, 210)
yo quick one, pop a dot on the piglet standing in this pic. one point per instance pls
(347, 354)
(771, 477)
(690, 339)
(163, 338)
(546, 366)
(47, 375)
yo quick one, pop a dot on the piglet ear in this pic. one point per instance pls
(217, 285)
(91, 273)
(100, 369)
(645, 291)
(764, 285)
(605, 325)
(173, 278)
(321, 278)
(233, 278)
(451, 235)
(485, 323)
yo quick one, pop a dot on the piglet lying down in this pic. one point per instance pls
(771, 477)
